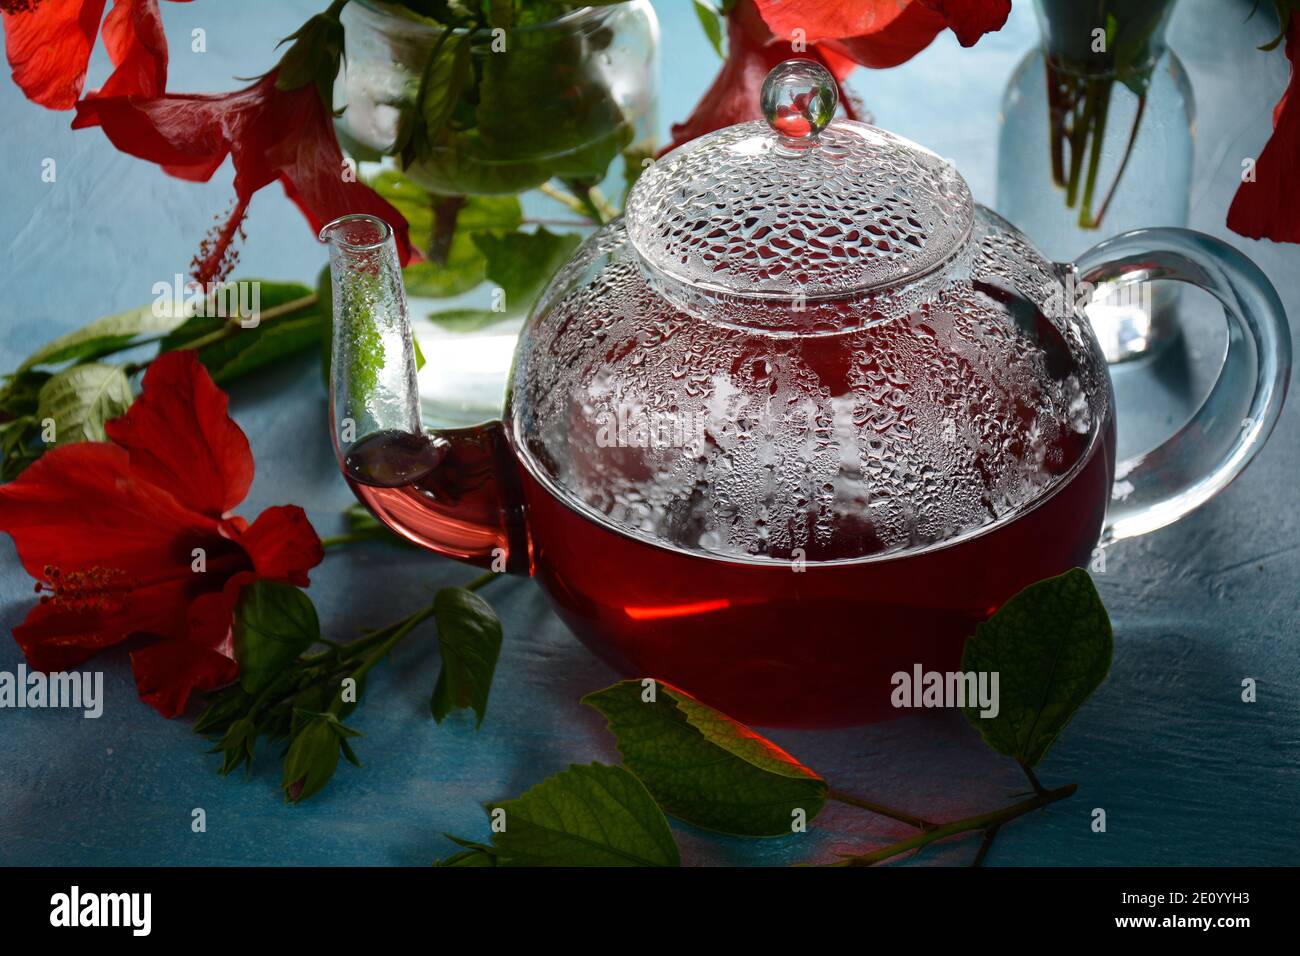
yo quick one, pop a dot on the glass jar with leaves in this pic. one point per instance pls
(504, 131)
(1097, 139)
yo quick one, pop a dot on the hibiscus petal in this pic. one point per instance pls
(113, 553)
(60, 634)
(79, 507)
(209, 616)
(167, 672)
(1269, 207)
(180, 437)
(897, 42)
(270, 134)
(136, 45)
(883, 33)
(817, 20)
(182, 132)
(53, 638)
(311, 167)
(48, 46)
(971, 19)
(283, 545)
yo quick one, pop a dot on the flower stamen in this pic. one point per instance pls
(94, 589)
(12, 7)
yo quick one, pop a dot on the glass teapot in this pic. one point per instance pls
(800, 419)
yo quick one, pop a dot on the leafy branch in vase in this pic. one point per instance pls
(1092, 47)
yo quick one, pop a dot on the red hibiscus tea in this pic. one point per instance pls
(809, 642)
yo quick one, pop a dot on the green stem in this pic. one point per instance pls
(227, 330)
(985, 843)
(982, 821)
(1101, 90)
(592, 202)
(603, 205)
(485, 578)
(878, 808)
(1033, 778)
(383, 634)
(337, 540)
(1056, 122)
(323, 659)
(1078, 135)
(1123, 163)
(558, 223)
(560, 196)
(382, 650)
(446, 212)
(340, 660)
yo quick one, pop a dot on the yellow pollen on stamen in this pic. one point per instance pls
(93, 589)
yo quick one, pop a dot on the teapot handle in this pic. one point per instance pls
(1232, 424)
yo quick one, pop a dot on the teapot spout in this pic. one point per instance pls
(453, 492)
(373, 386)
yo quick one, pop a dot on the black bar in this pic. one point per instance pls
(221, 906)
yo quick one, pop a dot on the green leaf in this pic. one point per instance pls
(501, 13)
(469, 637)
(530, 109)
(472, 854)
(468, 320)
(81, 399)
(21, 393)
(521, 263)
(1051, 647)
(325, 305)
(275, 337)
(589, 163)
(446, 74)
(705, 768)
(273, 624)
(107, 335)
(468, 858)
(460, 164)
(712, 24)
(250, 349)
(591, 815)
(20, 429)
(465, 265)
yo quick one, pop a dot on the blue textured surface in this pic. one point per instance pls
(1186, 772)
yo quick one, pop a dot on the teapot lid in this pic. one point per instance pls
(798, 207)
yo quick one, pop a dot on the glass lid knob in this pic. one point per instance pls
(799, 99)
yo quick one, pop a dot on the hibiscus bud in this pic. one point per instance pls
(314, 55)
(313, 755)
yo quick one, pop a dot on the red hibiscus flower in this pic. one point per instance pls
(48, 43)
(882, 33)
(135, 537)
(1269, 207)
(270, 134)
(874, 33)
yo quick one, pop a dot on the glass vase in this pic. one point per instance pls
(1097, 139)
(566, 108)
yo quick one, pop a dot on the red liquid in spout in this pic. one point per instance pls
(445, 493)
